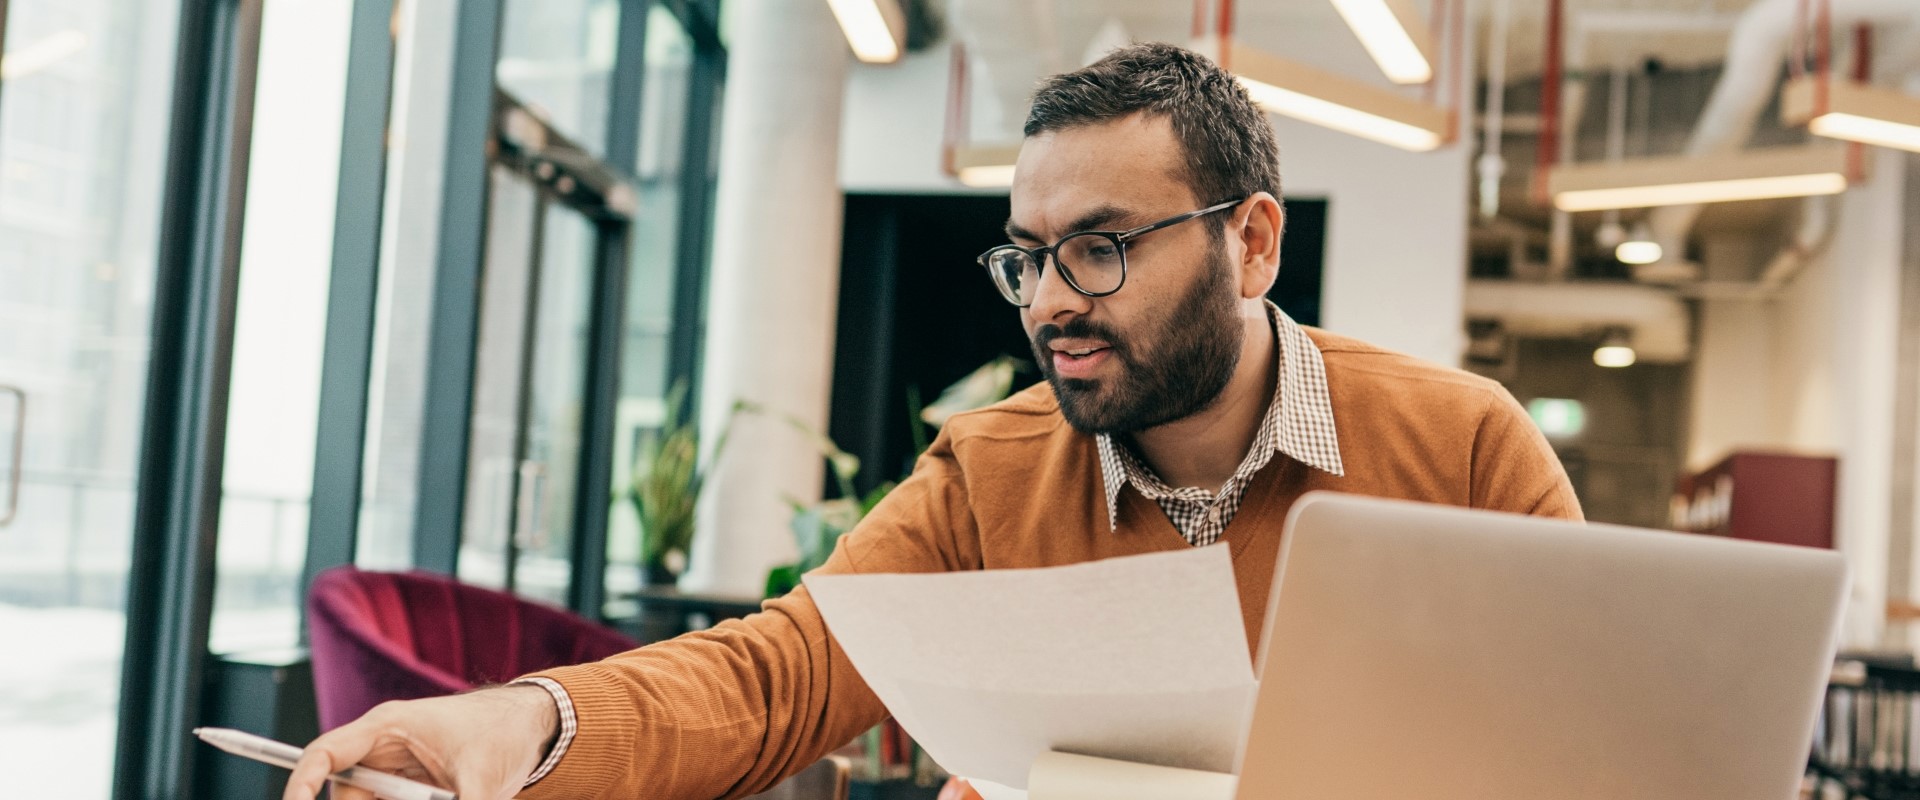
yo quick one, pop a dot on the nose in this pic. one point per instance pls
(1054, 300)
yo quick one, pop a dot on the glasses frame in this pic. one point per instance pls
(1041, 255)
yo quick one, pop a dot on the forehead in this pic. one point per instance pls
(1132, 163)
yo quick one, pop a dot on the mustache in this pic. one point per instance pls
(1079, 328)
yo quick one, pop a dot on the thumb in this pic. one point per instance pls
(470, 786)
(326, 755)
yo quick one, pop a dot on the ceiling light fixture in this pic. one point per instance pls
(1638, 251)
(1852, 111)
(875, 29)
(1682, 180)
(1615, 350)
(1293, 89)
(1393, 33)
(985, 166)
(1640, 248)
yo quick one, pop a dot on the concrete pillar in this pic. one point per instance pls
(775, 281)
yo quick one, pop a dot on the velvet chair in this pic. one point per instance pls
(379, 636)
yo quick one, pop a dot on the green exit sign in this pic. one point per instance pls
(1558, 418)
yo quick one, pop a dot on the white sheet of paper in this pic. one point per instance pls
(1140, 658)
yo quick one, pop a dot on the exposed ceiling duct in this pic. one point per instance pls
(1657, 320)
(1747, 81)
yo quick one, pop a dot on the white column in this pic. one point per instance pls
(774, 286)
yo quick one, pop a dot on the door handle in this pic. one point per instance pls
(19, 456)
(527, 530)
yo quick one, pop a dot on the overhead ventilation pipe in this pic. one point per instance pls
(1755, 52)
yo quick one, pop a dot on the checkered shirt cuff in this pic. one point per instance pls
(569, 725)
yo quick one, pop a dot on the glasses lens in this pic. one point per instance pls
(1016, 274)
(1094, 260)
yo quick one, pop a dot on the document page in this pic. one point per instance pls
(1139, 658)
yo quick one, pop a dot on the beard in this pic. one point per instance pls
(1170, 369)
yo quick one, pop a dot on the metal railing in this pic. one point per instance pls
(71, 543)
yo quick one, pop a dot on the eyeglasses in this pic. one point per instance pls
(1093, 262)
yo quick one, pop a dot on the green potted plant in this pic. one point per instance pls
(668, 475)
(817, 527)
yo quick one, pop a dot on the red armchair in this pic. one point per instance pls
(379, 636)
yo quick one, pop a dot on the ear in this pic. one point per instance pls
(1258, 224)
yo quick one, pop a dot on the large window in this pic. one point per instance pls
(85, 87)
(86, 105)
(532, 432)
(646, 347)
(285, 259)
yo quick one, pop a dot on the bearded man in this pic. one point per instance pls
(1181, 409)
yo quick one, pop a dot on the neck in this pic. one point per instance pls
(1204, 450)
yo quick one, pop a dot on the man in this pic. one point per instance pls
(1181, 409)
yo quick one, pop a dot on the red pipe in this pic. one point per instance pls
(1225, 29)
(1823, 38)
(1548, 153)
(1862, 74)
(1797, 52)
(1457, 67)
(957, 128)
(1863, 46)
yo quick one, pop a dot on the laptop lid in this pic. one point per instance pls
(1424, 651)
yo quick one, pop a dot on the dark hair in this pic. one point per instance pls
(1230, 149)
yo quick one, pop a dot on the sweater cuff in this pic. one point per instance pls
(604, 738)
(569, 725)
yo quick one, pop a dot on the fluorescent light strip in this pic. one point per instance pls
(1724, 191)
(42, 54)
(987, 175)
(1638, 251)
(1614, 356)
(1340, 118)
(1386, 39)
(866, 30)
(1869, 130)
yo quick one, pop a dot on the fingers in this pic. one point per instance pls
(332, 752)
(341, 791)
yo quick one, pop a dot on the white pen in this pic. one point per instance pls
(281, 754)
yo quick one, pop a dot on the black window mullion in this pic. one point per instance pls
(183, 438)
(441, 482)
(352, 295)
(696, 211)
(607, 319)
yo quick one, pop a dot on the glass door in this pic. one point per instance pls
(529, 391)
(85, 89)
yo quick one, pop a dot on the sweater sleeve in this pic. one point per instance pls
(732, 710)
(1514, 469)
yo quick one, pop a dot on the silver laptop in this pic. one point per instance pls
(1416, 651)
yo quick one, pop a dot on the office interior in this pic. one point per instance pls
(290, 285)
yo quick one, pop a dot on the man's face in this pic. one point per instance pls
(1165, 345)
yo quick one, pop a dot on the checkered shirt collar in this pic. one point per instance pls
(1299, 423)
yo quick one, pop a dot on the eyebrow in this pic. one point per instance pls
(1091, 220)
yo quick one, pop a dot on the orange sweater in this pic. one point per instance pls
(732, 710)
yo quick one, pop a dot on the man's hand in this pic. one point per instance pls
(481, 745)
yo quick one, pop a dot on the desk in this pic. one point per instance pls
(666, 612)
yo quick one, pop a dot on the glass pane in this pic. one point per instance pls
(422, 67)
(285, 264)
(556, 386)
(494, 461)
(556, 56)
(650, 281)
(83, 116)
